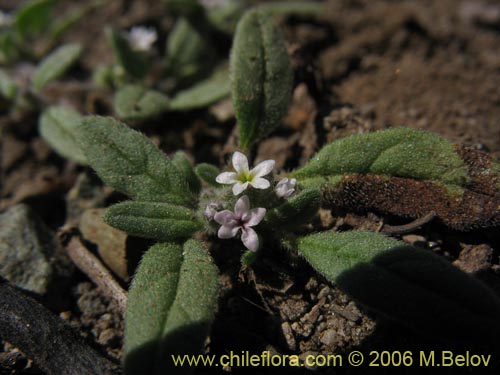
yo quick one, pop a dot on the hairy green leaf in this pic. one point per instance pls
(185, 168)
(415, 287)
(189, 52)
(59, 127)
(203, 93)
(400, 152)
(34, 16)
(208, 173)
(170, 308)
(296, 211)
(333, 253)
(133, 62)
(55, 65)
(261, 77)
(158, 221)
(137, 103)
(407, 172)
(131, 163)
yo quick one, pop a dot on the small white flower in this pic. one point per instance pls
(141, 38)
(243, 177)
(243, 218)
(286, 187)
(211, 209)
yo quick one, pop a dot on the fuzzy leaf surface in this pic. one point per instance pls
(158, 221)
(202, 94)
(184, 166)
(208, 173)
(261, 77)
(407, 172)
(413, 286)
(399, 152)
(59, 127)
(171, 306)
(137, 103)
(55, 65)
(129, 162)
(295, 211)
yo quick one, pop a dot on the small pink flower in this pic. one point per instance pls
(286, 187)
(211, 209)
(243, 218)
(243, 177)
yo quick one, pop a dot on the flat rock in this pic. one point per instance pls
(27, 248)
(111, 243)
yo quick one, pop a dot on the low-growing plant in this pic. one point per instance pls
(144, 84)
(173, 296)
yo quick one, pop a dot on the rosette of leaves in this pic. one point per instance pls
(173, 297)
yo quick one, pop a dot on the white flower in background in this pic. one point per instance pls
(142, 38)
(242, 218)
(211, 209)
(286, 187)
(243, 177)
(5, 19)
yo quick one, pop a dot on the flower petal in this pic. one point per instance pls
(250, 239)
(242, 206)
(254, 217)
(226, 178)
(263, 168)
(240, 162)
(260, 183)
(227, 231)
(285, 187)
(238, 188)
(224, 217)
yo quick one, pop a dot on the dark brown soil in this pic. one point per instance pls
(365, 65)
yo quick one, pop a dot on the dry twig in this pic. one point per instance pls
(94, 269)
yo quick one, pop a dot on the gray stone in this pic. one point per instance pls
(27, 247)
